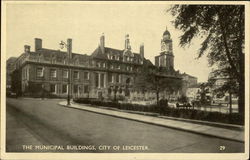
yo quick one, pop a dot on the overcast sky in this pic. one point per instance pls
(84, 23)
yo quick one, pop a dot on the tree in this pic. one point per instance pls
(222, 29)
(16, 85)
(152, 78)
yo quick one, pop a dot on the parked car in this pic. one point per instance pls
(183, 105)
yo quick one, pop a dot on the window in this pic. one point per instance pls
(52, 88)
(86, 75)
(96, 79)
(53, 73)
(97, 64)
(109, 77)
(65, 74)
(113, 78)
(118, 67)
(64, 88)
(75, 89)
(86, 89)
(102, 80)
(39, 72)
(113, 57)
(117, 78)
(76, 75)
(127, 68)
(120, 78)
(120, 90)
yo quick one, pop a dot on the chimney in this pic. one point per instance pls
(38, 44)
(69, 47)
(26, 48)
(142, 51)
(127, 45)
(102, 43)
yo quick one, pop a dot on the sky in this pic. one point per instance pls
(85, 23)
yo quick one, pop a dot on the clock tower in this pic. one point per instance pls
(166, 57)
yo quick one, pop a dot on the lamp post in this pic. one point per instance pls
(68, 45)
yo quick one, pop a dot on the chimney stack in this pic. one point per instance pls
(142, 51)
(102, 43)
(127, 45)
(69, 47)
(26, 48)
(38, 44)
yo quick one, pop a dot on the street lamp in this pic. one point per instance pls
(68, 46)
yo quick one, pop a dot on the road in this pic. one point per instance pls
(39, 122)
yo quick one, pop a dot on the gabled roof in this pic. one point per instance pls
(98, 53)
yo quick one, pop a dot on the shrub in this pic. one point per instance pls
(235, 118)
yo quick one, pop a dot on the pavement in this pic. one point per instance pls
(25, 135)
(218, 130)
(45, 122)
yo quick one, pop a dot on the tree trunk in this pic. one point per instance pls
(230, 105)
(241, 100)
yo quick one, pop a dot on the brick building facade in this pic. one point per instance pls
(107, 73)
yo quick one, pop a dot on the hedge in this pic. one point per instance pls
(235, 118)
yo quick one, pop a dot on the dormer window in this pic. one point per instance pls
(39, 57)
(97, 64)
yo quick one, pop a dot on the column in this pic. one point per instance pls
(104, 79)
(99, 80)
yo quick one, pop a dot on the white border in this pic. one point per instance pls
(121, 156)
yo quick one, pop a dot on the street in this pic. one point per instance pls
(44, 122)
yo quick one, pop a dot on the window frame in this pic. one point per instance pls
(42, 72)
(67, 74)
(50, 73)
(66, 89)
(77, 74)
(54, 88)
(84, 75)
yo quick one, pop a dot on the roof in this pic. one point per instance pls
(166, 33)
(98, 54)
(58, 53)
(11, 60)
(185, 74)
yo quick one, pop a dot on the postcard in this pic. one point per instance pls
(125, 80)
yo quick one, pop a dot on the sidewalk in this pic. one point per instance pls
(190, 126)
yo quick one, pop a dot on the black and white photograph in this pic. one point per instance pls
(128, 80)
